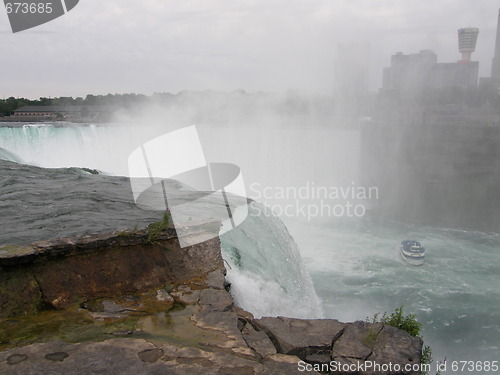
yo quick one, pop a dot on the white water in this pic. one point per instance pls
(265, 268)
(352, 261)
(105, 148)
(270, 156)
(357, 272)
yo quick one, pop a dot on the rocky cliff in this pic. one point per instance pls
(124, 303)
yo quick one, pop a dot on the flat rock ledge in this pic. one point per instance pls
(170, 313)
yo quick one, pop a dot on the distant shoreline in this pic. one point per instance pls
(18, 119)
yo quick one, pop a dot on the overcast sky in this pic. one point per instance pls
(122, 46)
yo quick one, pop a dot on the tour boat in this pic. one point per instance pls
(412, 252)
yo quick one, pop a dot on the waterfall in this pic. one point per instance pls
(9, 156)
(265, 269)
(264, 263)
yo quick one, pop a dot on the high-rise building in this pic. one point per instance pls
(410, 74)
(462, 74)
(495, 67)
(467, 39)
(492, 84)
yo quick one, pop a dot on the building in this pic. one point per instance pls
(467, 39)
(462, 74)
(495, 66)
(410, 74)
(58, 112)
(491, 84)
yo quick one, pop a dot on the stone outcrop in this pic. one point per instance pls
(71, 270)
(116, 305)
(321, 341)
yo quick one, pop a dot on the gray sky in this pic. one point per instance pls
(119, 46)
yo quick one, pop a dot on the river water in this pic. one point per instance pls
(333, 266)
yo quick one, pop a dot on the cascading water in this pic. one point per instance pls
(9, 156)
(352, 262)
(101, 147)
(265, 268)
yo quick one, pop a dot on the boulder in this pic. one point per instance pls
(258, 341)
(375, 343)
(301, 337)
(397, 346)
(356, 340)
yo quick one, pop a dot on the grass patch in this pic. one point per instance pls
(371, 337)
(154, 229)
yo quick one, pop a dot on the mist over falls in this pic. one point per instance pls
(444, 175)
(429, 174)
(432, 174)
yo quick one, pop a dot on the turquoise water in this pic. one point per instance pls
(357, 273)
(353, 263)
(265, 268)
(7, 155)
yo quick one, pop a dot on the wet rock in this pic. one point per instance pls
(93, 305)
(238, 370)
(345, 365)
(216, 279)
(74, 270)
(120, 276)
(121, 332)
(203, 362)
(396, 346)
(225, 323)
(258, 341)
(228, 360)
(215, 300)
(376, 343)
(114, 356)
(19, 292)
(105, 309)
(320, 357)
(301, 337)
(185, 295)
(57, 356)
(111, 307)
(133, 299)
(243, 314)
(355, 341)
(163, 296)
(16, 358)
(105, 315)
(150, 355)
(280, 364)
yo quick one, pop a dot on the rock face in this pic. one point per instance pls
(321, 341)
(68, 271)
(170, 313)
(301, 337)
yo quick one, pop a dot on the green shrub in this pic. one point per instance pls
(408, 324)
(426, 357)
